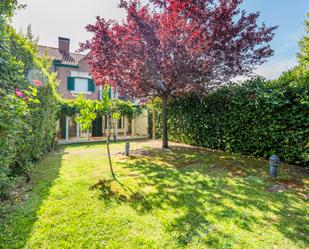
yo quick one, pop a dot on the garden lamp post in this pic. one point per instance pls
(127, 149)
(273, 165)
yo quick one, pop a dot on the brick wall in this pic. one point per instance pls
(63, 74)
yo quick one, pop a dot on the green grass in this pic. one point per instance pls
(182, 198)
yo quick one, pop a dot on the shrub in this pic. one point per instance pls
(259, 118)
(27, 130)
(27, 111)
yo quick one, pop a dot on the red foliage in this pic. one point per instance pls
(175, 46)
(183, 45)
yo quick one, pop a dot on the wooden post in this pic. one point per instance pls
(116, 130)
(66, 128)
(103, 124)
(154, 118)
(125, 127)
(100, 97)
(133, 127)
(77, 131)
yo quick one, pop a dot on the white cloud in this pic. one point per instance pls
(271, 69)
(275, 67)
(67, 18)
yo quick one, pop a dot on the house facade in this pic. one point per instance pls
(74, 77)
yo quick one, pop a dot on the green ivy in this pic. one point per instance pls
(27, 122)
(27, 130)
(124, 108)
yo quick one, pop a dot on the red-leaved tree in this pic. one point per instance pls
(169, 47)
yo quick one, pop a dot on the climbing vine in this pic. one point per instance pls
(71, 108)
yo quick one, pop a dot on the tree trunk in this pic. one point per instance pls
(108, 149)
(164, 122)
(154, 118)
(110, 159)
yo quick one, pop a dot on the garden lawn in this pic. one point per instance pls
(186, 197)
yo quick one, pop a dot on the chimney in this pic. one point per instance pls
(64, 45)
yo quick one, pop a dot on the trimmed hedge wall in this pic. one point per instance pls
(259, 118)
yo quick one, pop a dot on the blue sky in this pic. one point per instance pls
(50, 19)
(290, 16)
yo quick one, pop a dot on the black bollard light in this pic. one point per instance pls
(273, 165)
(127, 149)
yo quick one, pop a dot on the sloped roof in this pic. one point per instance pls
(63, 58)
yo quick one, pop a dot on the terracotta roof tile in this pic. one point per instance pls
(55, 54)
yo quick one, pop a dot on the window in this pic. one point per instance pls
(81, 85)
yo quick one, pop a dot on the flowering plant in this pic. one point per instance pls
(29, 95)
(38, 83)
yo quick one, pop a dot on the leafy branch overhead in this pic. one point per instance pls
(183, 45)
(170, 47)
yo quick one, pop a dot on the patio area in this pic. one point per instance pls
(73, 140)
(69, 131)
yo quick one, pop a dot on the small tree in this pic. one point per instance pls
(175, 46)
(88, 110)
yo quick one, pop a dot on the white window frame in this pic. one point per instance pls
(81, 75)
(79, 88)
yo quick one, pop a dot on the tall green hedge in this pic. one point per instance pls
(27, 130)
(28, 111)
(259, 118)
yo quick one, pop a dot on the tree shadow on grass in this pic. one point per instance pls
(108, 194)
(197, 183)
(17, 222)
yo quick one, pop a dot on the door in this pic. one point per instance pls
(62, 126)
(97, 127)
